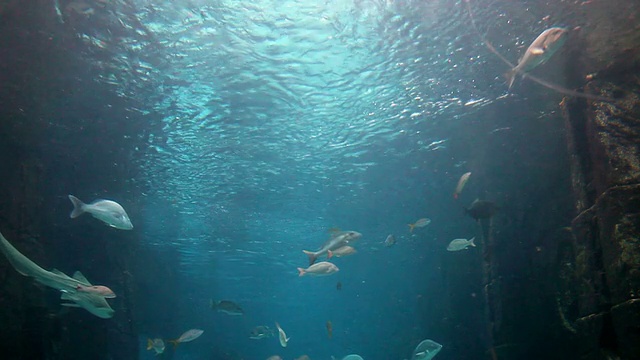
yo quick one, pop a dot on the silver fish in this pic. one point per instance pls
(390, 240)
(461, 183)
(322, 268)
(337, 241)
(419, 223)
(540, 50)
(110, 212)
(282, 337)
(460, 244)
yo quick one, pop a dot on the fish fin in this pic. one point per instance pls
(149, 344)
(58, 272)
(511, 77)
(300, 273)
(411, 226)
(66, 296)
(537, 51)
(78, 207)
(312, 256)
(78, 276)
(175, 343)
(472, 242)
(329, 254)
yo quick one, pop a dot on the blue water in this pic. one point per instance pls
(266, 123)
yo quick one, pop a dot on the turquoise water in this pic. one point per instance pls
(263, 124)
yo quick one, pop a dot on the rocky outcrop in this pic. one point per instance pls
(604, 285)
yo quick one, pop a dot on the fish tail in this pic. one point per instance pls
(301, 272)
(312, 256)
(212, 304)
(329, 254)
(175, 343)
(411, 227)
(511, 77)
(78, 207)
(472, 242)
(149, 344)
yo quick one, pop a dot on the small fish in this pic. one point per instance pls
(339, 286)
(187, 336)
(540, 50)
(337, 240)
(322, 268)
(390, 240)
(282, 336)
(329, 329)
(109, 212)
(344, 251)
(98, 290)
(156, 345)
(260, 332)
(461, 183)
(481, 209)
(420, 223)
(226, 306)
(460, 244)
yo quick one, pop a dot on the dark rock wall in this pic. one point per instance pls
(603, 287)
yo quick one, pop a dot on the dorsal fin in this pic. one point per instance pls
(78, 276)
(58, 272)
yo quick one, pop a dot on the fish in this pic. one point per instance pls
(261, 332)
(339, 286)
(540, 50)
(329, 329)
(109, 212)
(426, 350)
(303, 357)
(156, 345)
(322, 268)
(98, 290)
(481, 209)
(337, 240)
(227, 307)
(419, 223)
(390, 240)
(460, 244)
(93, 303)
(187, 336)
(274, 357)
(344, 251)
(282, 337)
(461, 183)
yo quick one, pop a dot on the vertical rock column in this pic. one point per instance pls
(604, 140)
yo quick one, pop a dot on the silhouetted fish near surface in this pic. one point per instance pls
(339, 285)
(481, 209)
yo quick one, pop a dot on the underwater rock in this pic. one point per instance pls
(625, 318)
